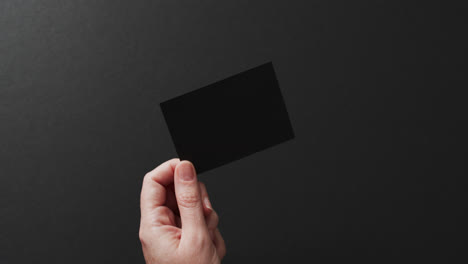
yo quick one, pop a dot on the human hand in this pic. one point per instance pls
(178, 224)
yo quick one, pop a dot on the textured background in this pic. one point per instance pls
(373, 89)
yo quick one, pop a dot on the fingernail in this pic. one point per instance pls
(187, 173)
(207, 203)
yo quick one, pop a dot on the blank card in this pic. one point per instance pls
(229, 119)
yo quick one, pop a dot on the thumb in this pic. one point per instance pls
(188, 195)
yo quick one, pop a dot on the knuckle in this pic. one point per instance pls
(221, 248)
(188, 200)
(215, 218)
(147, 177)
(222, 252)
(142, 236)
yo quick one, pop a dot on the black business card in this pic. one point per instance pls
(229, 119)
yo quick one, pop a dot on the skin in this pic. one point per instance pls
(178, 224)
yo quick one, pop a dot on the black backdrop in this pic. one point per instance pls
(373, 89)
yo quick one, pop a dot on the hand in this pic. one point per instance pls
(178, 224)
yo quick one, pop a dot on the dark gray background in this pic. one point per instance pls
(373, 89)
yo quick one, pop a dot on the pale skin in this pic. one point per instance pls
(178, 224)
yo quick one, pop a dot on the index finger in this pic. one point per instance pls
(153, 192)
